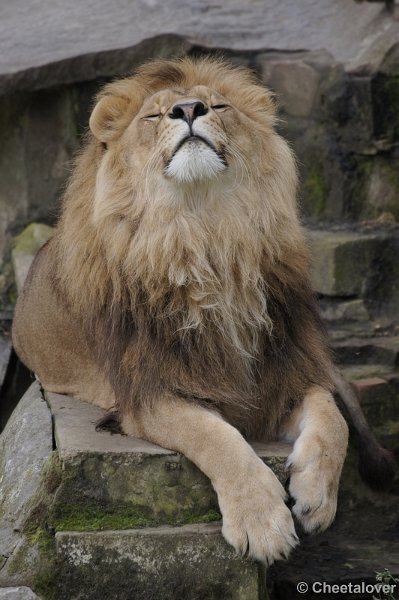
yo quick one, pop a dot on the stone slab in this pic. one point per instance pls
(48, 42)
(341, 261)
(75, 433)
(17, 593)
(111, 474)
(185, 563)
(25, 445)
(344, 311)
(369, 350)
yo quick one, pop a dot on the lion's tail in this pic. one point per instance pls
(376, 464)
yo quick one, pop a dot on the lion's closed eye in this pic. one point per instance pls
(221, 107)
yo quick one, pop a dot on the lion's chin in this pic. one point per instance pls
(195, 161)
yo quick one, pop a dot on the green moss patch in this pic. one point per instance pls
(32, 238)
(314, 191)
(90, 517)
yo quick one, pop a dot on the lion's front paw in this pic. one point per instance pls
(314, 479)
(256, 522)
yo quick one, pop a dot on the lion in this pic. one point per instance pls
(176, 294)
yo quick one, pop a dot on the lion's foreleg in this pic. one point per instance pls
(255, 519)
(320, 434)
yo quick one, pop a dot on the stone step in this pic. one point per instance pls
(342, 261)
(190, 562)
(336, 310)
(382, 350)
(347, 265)
(115, 481)
(81, 501)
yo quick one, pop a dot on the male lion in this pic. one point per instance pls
(176, 293)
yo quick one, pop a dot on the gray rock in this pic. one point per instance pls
(296, 84)
(39, 136)
(189, 562)
(341, 261)
(17, 593)
(26, 245)
(25, 445)
(45, 43)
(360, 263)
(382, 185)
(5, 353)
(350, 310)
(376, 52)
(301, 78)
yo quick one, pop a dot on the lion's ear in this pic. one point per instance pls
(108, 117)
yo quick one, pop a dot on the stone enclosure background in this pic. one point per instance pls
(334, 66)
(343, 125)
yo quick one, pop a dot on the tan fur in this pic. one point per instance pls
(179, 270)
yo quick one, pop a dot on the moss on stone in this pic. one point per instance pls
(314, 191)
(39, 533)
(32, 238)
(94, 517)
(19, 560)
(45, 585)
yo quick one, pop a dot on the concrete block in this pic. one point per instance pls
(341, 261)
(164, 563)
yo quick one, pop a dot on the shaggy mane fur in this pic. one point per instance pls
(197, 291)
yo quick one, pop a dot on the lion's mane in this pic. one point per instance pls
(203, 292)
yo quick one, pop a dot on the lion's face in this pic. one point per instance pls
(195, 126)
(189, 130)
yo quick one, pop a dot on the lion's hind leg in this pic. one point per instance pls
(320, 434)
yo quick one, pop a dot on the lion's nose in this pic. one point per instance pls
(188, 111)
